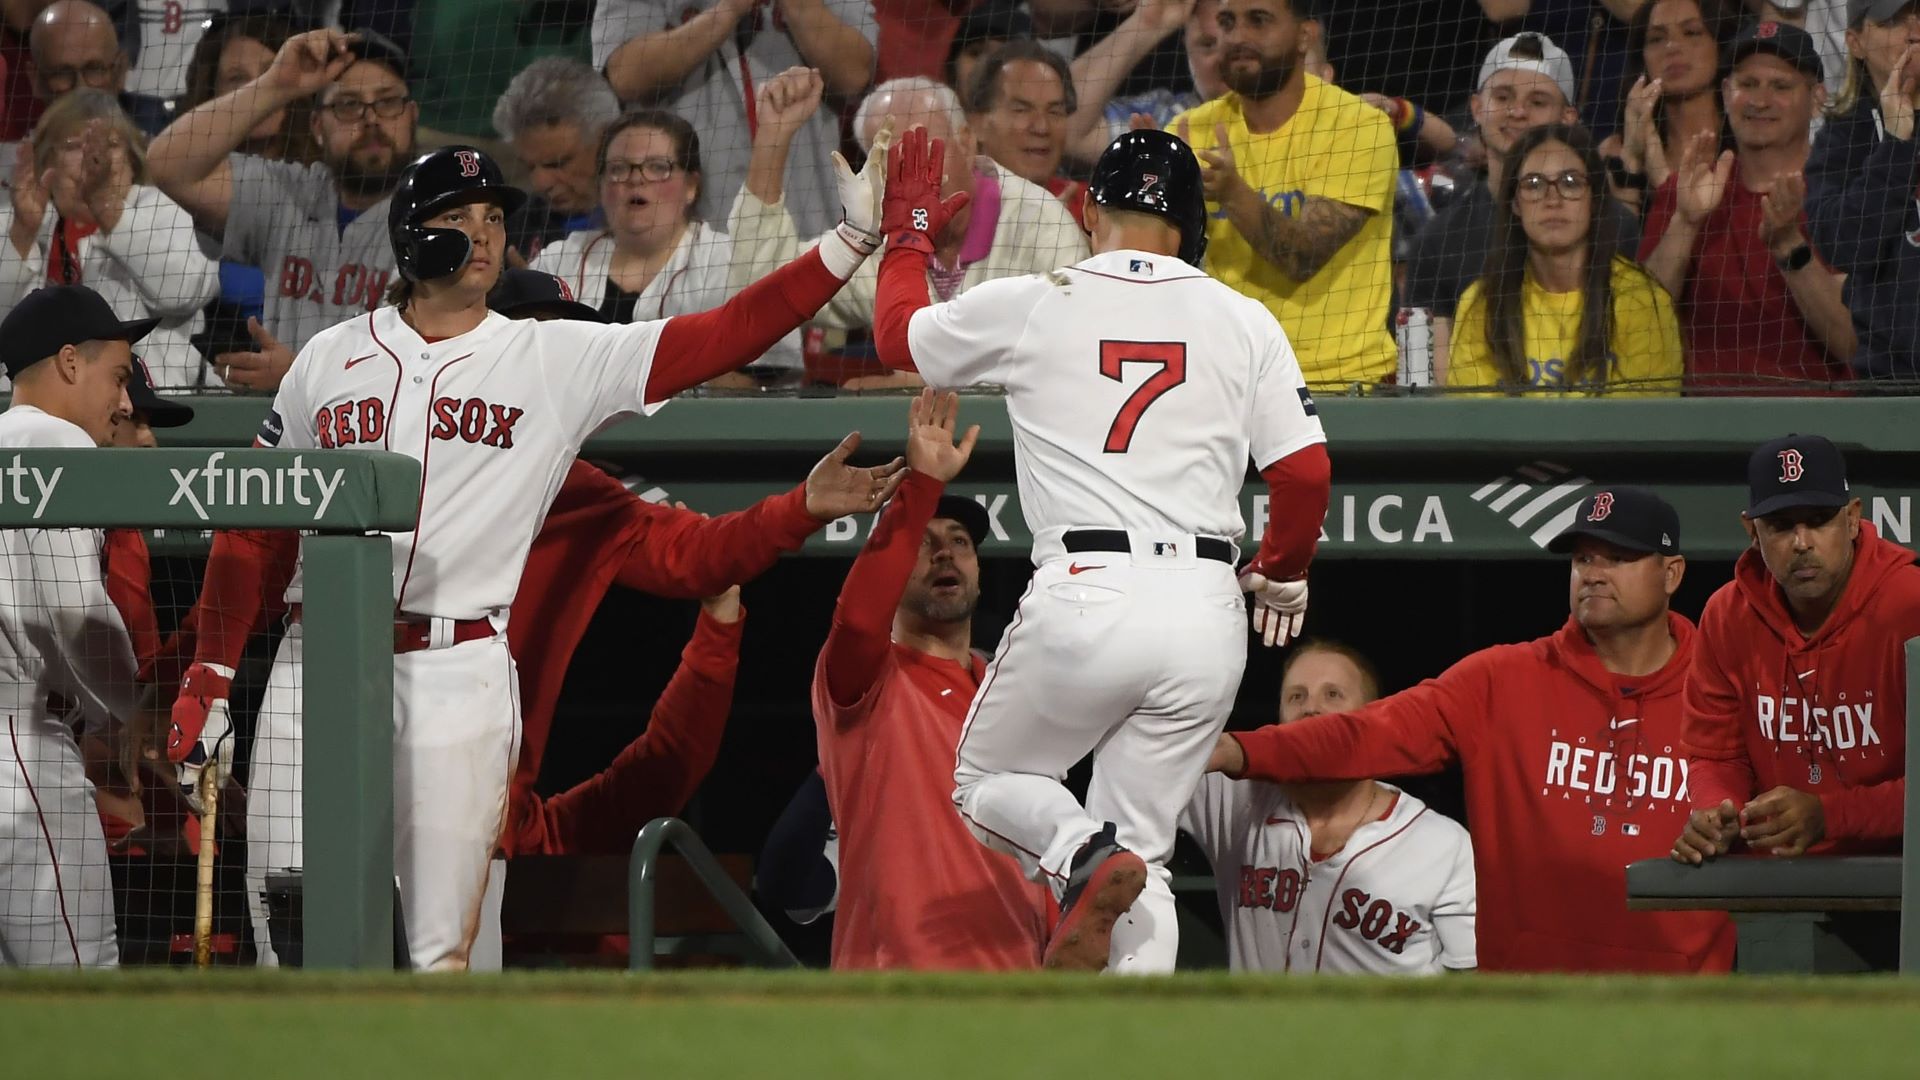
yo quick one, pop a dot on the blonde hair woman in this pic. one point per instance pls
(82, 212)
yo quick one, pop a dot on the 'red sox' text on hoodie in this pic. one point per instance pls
(1571, 773)
(1768, 706)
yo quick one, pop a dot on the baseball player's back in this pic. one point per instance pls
(1138, 388)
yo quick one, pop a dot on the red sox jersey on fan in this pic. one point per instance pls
(284, 218)
(1115, 425)
(1398, 899)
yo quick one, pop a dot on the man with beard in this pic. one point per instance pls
(1299, 181)
(890, 695)
(1796, 709)
(318, 231)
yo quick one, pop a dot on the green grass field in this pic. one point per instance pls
(803, 1025)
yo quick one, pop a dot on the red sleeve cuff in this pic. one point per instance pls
(902, 291)
(714, 650)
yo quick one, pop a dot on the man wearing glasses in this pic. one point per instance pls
(318, 231)
(72, 44)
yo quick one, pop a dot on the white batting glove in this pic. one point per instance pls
(1279, 607)
(860, 194)
(213, 751)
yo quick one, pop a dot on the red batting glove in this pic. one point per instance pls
(912, 213)
(203, 689)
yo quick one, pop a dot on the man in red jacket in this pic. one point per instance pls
(890, 696)
(1796, 707)
(1570, 749)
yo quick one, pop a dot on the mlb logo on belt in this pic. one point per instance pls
(1164, 547)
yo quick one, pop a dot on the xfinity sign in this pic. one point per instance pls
(214, 485)
(27, 485)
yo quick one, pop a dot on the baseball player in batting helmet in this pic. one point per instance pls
(450, 176)
(1154, 173)
(497, 402)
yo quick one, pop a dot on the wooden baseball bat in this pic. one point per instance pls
(203, 887)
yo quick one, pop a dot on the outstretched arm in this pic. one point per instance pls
(658, 772)
(862, 631)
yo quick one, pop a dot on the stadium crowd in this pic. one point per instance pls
(1642, 197)
(1685, 196)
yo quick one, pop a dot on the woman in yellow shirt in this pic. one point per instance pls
(1559, 309)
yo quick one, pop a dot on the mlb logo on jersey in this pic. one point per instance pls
(1140, 266)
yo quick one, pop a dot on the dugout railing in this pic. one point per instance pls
(1809, 914)
(346, 502)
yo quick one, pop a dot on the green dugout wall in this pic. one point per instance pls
(1413, 478)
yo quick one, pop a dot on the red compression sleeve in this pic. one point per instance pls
(130, 587)
(695, 348)
(658, 772)
(862, 631)
(1298, 487)
(247, 570)
(902, 291)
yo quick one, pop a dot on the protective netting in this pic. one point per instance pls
(1370, 173)
(111, 853)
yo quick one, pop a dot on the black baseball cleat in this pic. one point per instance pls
(1102, 884)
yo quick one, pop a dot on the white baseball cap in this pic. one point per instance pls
(1554, 62)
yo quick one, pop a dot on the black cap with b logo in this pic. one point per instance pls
(1796, 471)
(1630, 518)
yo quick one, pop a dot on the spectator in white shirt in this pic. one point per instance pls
(81, 211)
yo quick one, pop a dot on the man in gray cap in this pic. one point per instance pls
(69, 357)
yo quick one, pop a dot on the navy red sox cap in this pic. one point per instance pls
(160, 412)
(56, 316)
(970, 514)
(1795, 471)
(1630, 518)
(532, 293)
(1784, 40)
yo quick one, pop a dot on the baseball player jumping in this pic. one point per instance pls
(1137, 387)
(495, 410)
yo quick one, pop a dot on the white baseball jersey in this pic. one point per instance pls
(494, 416)
(1116, 423)
(1398, 899)
(59, 633)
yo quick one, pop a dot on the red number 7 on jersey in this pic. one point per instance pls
(1114, 355)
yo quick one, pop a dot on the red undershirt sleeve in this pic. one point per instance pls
(1298, 487)
(695, 348)
(862, 630)
(902, 291)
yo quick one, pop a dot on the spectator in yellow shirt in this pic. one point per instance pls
(1559, 309)
(1299, 178)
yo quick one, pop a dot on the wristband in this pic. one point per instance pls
(1797, 259)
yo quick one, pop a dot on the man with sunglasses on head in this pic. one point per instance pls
(318, 231)
(1795, 726)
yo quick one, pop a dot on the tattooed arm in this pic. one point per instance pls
(1299, 245)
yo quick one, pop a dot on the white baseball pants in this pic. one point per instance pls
(1135, 658)
(456, 714)
(56, 890)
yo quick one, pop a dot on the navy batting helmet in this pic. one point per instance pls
(450, 176)
(1153, 172)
